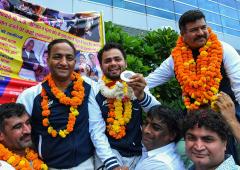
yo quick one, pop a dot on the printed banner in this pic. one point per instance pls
(25, 31)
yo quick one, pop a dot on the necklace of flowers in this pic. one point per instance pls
(77, 99)
(199, 79)
(22, 163)
(119, 97)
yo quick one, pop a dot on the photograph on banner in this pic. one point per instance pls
(25, 31)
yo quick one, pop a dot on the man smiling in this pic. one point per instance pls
(206, 134)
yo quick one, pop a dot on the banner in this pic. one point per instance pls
(25, 32)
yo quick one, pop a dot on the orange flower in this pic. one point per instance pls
(76, 100)
(120, 112)
(22, 163)
(200, 79)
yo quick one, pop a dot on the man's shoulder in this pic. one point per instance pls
(5, 166)
(30, 92)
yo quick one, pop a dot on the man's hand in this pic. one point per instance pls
(121, 168)
(137, 83)
(226, 107)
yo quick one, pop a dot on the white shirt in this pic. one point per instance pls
(5, 166)
(163, 158)
(231, 62)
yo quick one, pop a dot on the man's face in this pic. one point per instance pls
(155, 134)
(113, 63)
(204, 147)
(61, 62)
(195, 34)
(16, 134)
(29, 46)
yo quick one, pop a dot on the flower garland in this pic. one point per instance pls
(119, 97)
(198, 79)
(22, 163)
(74, 102)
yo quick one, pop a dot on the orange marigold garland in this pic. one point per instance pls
(30, 162)
(77, 99)
(198, 79)
(120, 109)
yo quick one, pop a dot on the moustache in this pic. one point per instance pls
(197, 38)
(25, 136)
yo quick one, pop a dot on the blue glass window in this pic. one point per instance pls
(228, 11)
(231, 31)
(211, 6)
(138, 1)
(228, 22)
(191, 2)
(160, 13)
(108, 2)
(135, 7)
(181, 8)
(230, 3)
(215, 27)
(212, 17)
(162, 4)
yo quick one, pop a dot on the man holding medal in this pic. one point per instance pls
(121, 99)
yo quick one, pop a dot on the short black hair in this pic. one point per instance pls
(57, 41)
(171, 118)
(108, 47)
(8, 110)
(190, 16)
(208, 119)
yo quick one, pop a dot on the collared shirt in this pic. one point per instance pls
(227, 164)
(163, 158)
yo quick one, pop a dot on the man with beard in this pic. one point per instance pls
(121, 103)
(203, 66)
(15, 139)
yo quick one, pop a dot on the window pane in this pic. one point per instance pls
(228, 11)
(181, 8)
(160, 13)
(212, 17)
(230, 3)
(230, 23)
(138, 1)
(191, 2)
(162, 4)
(108, 2)
(232, 32)
(211, 6)
(215, 27)
(135, 7)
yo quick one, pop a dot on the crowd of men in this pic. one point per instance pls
(72, 122)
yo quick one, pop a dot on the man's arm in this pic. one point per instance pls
(231, 61)
(97, 129)
(162, 74)
(227, 110)
(145, 98)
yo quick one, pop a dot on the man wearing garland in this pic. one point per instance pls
(121, 104)
(202, 64)
(15, 139)
(63, 111)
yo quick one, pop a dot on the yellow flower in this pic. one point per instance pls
(214, 90)
(62, 134)
(50, 129)
(204, 53)
(197, 103)
(11, 159)
(22, 163)
(44, 167)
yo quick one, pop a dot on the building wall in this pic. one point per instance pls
(222, 15)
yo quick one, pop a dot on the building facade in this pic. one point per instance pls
(223, 16)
